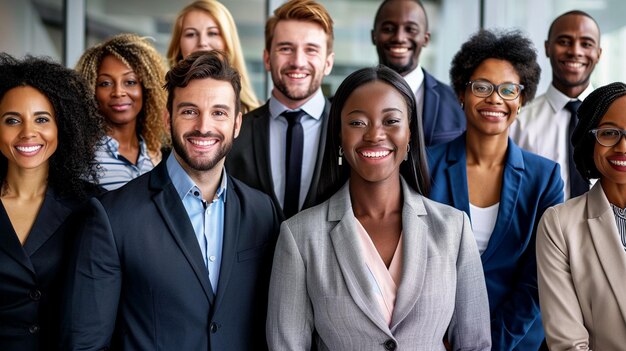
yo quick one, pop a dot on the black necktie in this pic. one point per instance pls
(577, 184)
(293, 162)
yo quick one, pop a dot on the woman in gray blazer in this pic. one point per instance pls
(377, 266)
(581, 244)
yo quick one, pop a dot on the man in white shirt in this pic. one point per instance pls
(544, 126)
(400, 32)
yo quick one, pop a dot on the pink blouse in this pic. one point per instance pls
(384, 282)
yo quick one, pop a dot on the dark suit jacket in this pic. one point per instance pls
(442, 118)
(530, 184)
(31, 275)
(249, 159)
(138, 275)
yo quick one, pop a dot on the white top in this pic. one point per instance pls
(483, 222)
(542, 128)
(415, 79)
(312, 126)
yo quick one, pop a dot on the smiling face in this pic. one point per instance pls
(298, 59)
(574, 49)
(611, 161)
(118, 92)
(200, 32)
(204, 124)
(400, 33)
(28, 129)
(375, 132)
(491, 115)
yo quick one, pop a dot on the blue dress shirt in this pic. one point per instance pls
(207, 218)
(312, 125)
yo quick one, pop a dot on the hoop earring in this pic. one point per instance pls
(340, 159)
(408, 148)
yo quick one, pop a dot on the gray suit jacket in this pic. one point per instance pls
(581, 267)
(319, 291)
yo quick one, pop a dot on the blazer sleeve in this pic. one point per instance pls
(513, 318)
(290, 314)
(562, 316)
(469, 327)
(93, 284)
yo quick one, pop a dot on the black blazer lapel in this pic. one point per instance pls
(261, 142)
(175, 216)
(10, 243)
(312, 193)
(52, 215)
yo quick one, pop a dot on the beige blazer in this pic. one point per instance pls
(320, 293)
(582, 275)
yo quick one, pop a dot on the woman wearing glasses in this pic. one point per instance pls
(581, 244)
(503, 188)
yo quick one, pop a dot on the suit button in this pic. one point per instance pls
(34, 295)
(390, 345)
(214, 327)
(33, 329)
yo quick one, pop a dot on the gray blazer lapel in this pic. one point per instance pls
(605, 238)
(351, 262)
(414, 255)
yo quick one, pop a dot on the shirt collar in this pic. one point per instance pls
(184, 185)
(113, 146)
(558, 100)
(415, 78)
(314, 107)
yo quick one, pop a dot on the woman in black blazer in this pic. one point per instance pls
(48, 130)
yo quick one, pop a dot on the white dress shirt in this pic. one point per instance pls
(542, 128)
(415, 79)
(312, 126)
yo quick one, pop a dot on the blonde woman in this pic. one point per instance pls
(126, 74)
(208, 25)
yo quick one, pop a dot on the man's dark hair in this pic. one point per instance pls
(387, 1)
(201, 65)
(573, 12)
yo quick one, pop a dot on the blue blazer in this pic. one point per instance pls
(442, 118)
(530, 185)
(138, 280)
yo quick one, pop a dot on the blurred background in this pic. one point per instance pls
(62, 29)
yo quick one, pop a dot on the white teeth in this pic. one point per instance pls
(28, 148)
(203, 142)
(618, 163)
(573, 64)
(297, 75)
(399, 50)
(493, 114)
(375, 154)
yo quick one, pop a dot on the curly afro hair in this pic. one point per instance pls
(511, 46)
(78, 122)
(590, 113)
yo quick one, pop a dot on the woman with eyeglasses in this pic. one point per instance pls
(581, 244)
(503, 188)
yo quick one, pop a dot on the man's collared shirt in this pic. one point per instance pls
(207, 218)
(415, 79)
(312, 126)
(116, 170)
(542, 128)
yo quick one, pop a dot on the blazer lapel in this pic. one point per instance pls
(431, 107)
(312, 193)
(414, 255)
(457, 175)
(605, 236)
(261, 141)
(511, 185)
(175, 217)
(52, 215)
(10, 243)
(351, 262)
(232, 215)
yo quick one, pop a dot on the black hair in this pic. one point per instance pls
(573, 12)
(511, 46)
(414, 170)
(590, 114)
(387, 1)
(79, 125)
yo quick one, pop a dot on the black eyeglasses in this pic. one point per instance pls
(608, 136)
(483, 89)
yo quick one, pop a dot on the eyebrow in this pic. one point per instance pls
(385, 110)
(124, 74)
(569, 36)
(37, 113)
(608, 124)
(191, 104)
(289, 43)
